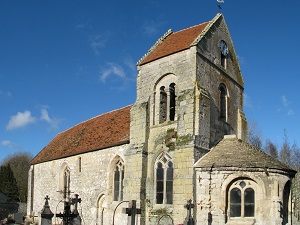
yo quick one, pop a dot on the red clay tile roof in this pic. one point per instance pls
(106, 130)
(175, 42)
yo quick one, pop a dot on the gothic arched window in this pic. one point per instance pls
(118, 180)
(223, 101)
(66, 183)
(164, 179)
(242, 199)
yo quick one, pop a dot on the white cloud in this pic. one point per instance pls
(151, 28)
(98, 42)
(112, 70)
(9, 144)
(290, 112)
(241, 59)
(83, 26)
(21, 119)
(285, 102)
(6, 94)
(247, 101)
(286, 106)
(130, 64)
(45, 117)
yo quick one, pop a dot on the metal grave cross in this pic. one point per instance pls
(189, 219)
(133, 211)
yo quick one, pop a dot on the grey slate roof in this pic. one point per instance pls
(233, 152)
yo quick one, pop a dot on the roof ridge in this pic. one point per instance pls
(160, 40)
(191, 27)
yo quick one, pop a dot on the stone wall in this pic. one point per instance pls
(213, 196)
(210, 74)
(92, 181)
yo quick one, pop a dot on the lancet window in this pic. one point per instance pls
(223, 101)
(164, 179)
(118, 180)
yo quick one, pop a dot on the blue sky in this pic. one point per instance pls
(63, 62)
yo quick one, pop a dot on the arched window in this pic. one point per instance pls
(223, 101)
(66, 183)
(164, 179)
(172, 101)
(162, 105)
(165, 99)
(118, 180)
(242, 199)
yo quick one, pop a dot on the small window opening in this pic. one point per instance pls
(172, 101)
(79, 164)
(235, 202)
(169, 183)
(223, 60)
(249, 202)
(162, 105)
(223, 102)
(159, 184)
(224, 53)
(66, 179)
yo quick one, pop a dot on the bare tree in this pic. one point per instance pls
(271, 149)
(20, 164)
(285, 152)
(295, 157)
(254, 135)
(295, 163)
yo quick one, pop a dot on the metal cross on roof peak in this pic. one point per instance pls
(219, 5)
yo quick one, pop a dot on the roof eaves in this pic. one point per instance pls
(82, 152)
(212, 167)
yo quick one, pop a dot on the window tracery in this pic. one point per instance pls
(164, 179)
(118, 180)
(241, 199)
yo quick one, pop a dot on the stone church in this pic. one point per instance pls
(183, 139)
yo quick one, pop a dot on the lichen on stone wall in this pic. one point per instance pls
(170, 139)
(161, 212)
(184, 139)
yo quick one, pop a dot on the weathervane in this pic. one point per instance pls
(219, 5)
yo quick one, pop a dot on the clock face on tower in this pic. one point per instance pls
(223, 48)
